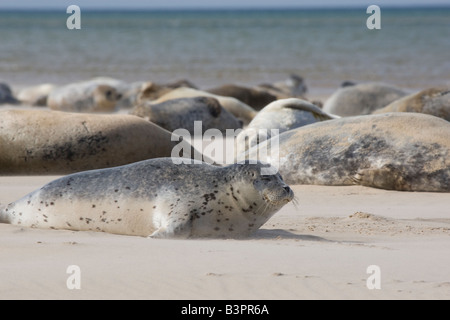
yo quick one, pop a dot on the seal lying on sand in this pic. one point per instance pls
(433, 101)
(283, 115)
(395, 151)
(255, 98)
(156, 198)
(153, 91)
(294, 87)
(181, 113)
(54, 142)
(239, 109)
(6, 95)
(86, 96)
(36, 95)
(361, 99)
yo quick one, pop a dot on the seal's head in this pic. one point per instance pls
(268, 185)
(105, 98)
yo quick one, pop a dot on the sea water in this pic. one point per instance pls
(210, 48)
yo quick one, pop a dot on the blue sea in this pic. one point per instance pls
(248, 47)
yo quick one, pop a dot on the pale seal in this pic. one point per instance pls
(282, 115)
(127, 92)
(54, 142)
(361, 99)
(432, 101)
(182, 113)
(35, 95)
(85, 96)
(156, 198)
(395, 151)
(239, 109)
(152, 91)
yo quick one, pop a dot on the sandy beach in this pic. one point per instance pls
(332, 242)
(318, 249)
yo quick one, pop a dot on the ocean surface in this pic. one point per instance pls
(248, 47)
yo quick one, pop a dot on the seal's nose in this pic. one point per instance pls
(289, 192)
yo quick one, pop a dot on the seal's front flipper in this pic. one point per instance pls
(182, 230)
(160, 233)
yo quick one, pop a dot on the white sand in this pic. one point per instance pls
(312, 251)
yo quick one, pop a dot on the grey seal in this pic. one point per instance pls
(236, 107)
(361, 99)
(294, 87)
(282, 115)
(6, 95)
(394, 151)
(156, 198)
(254, 97)
(54, 142)
(432, 101)
(181, 113)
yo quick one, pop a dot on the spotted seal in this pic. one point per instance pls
(156, 198)
(394, 151)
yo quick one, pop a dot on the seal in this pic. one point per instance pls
(254, 97)
(156, 198)
(239, 109)
(283, 115)
(36, 95)
(86, 96)
(433, 101)
(6, 95)
(361, 99)
(152, 91)
(294, 87)
(181, 113)
(127, 92)
(40, 141)
(393, 151)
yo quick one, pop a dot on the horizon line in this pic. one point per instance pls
(231, 8)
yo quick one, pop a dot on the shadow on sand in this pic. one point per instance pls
(283, 234)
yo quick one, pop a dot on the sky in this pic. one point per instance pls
(214, 4)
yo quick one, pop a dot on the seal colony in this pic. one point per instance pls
(156, 198)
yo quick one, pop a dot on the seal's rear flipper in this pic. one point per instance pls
(388, 177)
(4, 216)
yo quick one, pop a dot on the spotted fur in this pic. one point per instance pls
(156, 198)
